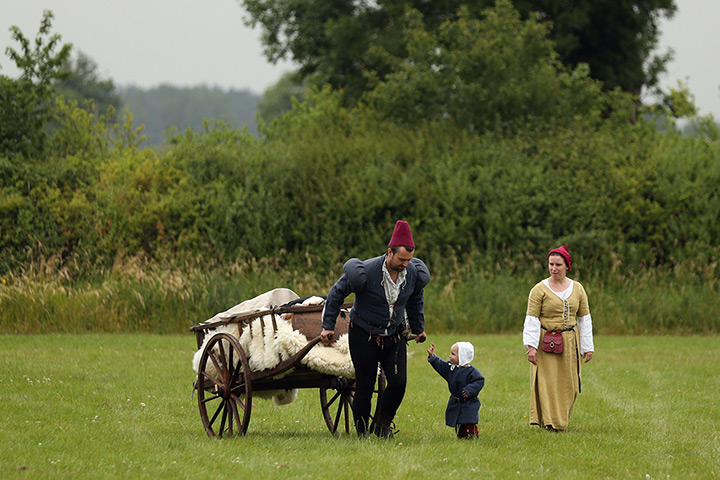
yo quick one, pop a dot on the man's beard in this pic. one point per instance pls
(396, 268)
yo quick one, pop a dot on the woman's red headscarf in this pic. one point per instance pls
(563, 252)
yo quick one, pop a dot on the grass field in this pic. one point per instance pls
(121, 406)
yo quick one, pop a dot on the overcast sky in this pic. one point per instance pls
(194, 42)
(149, 42)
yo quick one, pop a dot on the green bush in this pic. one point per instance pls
(498, 72)
(328, 181)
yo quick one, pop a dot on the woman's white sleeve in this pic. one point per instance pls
(584, 324)
(531, 331)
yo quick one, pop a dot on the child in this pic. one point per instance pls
(464, 382)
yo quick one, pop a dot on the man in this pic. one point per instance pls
(387, 289)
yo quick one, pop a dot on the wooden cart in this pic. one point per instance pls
(225, 382)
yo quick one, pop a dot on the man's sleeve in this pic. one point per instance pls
(337, 295)
(415, 306)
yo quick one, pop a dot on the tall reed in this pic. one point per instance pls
(135, 295)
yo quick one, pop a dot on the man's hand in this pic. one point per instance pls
(421, 337)
(327, 336)
(587, 356)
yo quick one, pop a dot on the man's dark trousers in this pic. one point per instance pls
(366, 351)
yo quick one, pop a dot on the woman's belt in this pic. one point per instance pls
(556, 330)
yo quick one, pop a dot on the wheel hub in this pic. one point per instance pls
(343, 385)
(222, 391)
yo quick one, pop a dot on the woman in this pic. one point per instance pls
(557, 304)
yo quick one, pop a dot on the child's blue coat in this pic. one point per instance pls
(468, 378)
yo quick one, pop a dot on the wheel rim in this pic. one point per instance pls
(378, 393)
(337, 406)
(224, 394)
(337, 403)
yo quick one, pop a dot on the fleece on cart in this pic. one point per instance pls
(266, 346)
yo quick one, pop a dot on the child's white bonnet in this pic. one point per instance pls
(466, 352)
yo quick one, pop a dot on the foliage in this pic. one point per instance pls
(613, 191)
(333, 41)
(49, 207)
(122, 406)
(545, 159)
(26, 103)
(496, 73)
(81, 83)
(278, 98)
(79, 132)
(616, 39)
(168, 107)
(678, 105)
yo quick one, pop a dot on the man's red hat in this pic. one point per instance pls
(401, 236)
(563, 252)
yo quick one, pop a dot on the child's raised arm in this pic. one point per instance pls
(440, 366)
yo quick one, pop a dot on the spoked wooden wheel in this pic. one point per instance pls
(224, 392)
(379, 390)
(337, 409)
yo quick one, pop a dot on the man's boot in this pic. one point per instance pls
(361, 425)
(384, 427)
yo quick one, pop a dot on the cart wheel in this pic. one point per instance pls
(224, 392)
(340, 403)
(379, 391)
(339, 407)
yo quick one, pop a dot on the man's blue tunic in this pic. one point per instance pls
(370, 310)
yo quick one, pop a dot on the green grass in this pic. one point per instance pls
(121, 406)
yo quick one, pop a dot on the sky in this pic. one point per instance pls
(151, 42)
(206, 42)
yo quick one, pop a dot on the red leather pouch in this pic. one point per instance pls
(552, 342)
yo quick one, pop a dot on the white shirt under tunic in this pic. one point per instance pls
(392, 289)
(531, 330)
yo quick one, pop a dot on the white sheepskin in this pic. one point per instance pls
(266, 347)
(232, 329)
(313, 301)
(260, 357)
(258, 340)
(331, 360)
(265, 301)
(283, 397)
(266, 351)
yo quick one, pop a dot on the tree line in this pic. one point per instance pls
(166, 108)
(481, 138)
(352, 45)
